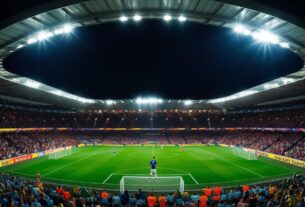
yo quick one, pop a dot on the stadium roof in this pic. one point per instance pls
(56, 17)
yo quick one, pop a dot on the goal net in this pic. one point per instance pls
(246, 154)
(60, 154)
(152, 184)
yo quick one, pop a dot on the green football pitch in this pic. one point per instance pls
(199, 166)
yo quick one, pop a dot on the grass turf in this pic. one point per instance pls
(99, 167)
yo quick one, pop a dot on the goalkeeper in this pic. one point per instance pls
(153, 165)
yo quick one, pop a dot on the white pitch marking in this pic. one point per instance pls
(193, 178)
(107, 178)
(68, 165)
(236, 165)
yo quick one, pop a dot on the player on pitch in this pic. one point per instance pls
(153, 165)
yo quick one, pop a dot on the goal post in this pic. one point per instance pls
(60, 154)
(152, 184)
(244, 153)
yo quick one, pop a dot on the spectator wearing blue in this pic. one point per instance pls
(186, 199)
(236, 195)
(178, 199)
(125, 198)
(35, 203)
(132, 201)
(141, 198)
(170, 199)
(301, 203)
(49, 201)
(230, 195)
(116, 200)
(195, 198)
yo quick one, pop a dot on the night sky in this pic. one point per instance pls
(168, 60)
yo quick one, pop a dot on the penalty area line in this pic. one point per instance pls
(193, 178)
(107, 178)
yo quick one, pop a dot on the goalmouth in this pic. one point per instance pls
(152, 184)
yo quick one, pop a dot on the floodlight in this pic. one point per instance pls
(109, 102)
(242, 29)
(32, 84)
(271, 85)
(188, 102)
(123, 18)
(20, 46)
(182, 18)
(44, 35)
(284, 44)
(265, 36)
(67, 28)
(287, 80)
(150, 100)
(167, 17)
(31, 41)
(137, 17)
(58, 31)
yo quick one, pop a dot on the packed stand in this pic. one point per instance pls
(11, 117)
(15, 191)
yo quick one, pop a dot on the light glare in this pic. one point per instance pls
(137, 17)
(110, 102)
(265, 36)
(150, 100)
(31, 41)
(188, 102)
(44, 35)
(182, 18)
(123, 18)
(284, 44)
(167, 17)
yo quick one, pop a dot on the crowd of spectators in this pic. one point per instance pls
(16, 144)
(15, 191)
(283, 143)
(159, 119)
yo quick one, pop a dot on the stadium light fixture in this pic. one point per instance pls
(148, 101)
(182, 18)
(167, 17)
(44, 35)
(110, 102)
(20, 46)
(71, 96)
(67, 28)
(271, 85)
(32, 84)
(262, 35)
(188, 102)
(137, 17)
(31, 41)
(234, 96)
(242, 29)
(123, 18)
(265, 36)
(287, 80)
(284, 44)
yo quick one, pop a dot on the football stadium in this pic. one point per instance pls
(152, 103)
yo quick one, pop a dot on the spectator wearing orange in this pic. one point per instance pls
(203, 199)
(162, 200)
(66, 196)
(59, 190)
(217, 190)
(246, 188)
(104, 197)
(207, 191)
(152, 200)
(216, 198)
